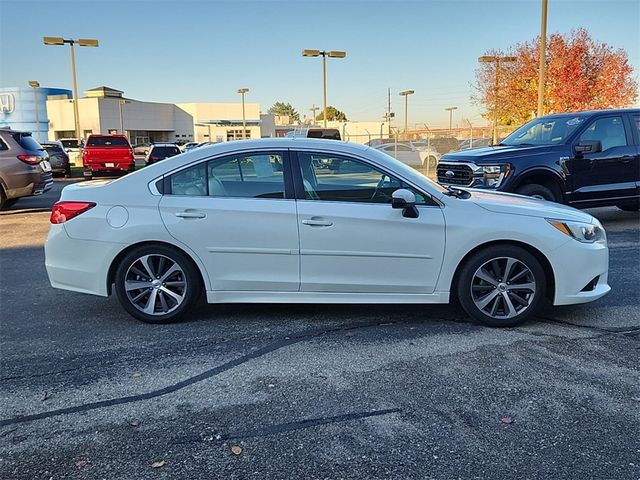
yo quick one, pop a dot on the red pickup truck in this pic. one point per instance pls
(108, 154)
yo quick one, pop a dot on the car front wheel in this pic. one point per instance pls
(501, 286)
(157, 284)
(537, 191)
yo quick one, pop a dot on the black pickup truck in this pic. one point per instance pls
(583, 159)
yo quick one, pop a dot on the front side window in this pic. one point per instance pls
(609, 131)
(256, 175)
(336, 178)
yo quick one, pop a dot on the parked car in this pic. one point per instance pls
(188, 146)
(107, 154)
(432, 154)
(142, 149)
(315, 132)
(58, 157)
(405, 153)
(73, 148)
(225, 221)
(445, 144)
(160, 151)
(475, 143)
(24, 167)
(583, 159)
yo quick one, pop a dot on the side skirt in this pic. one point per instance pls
(323, 297)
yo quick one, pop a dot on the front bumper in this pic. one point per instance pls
(581, 272)
(78, 265)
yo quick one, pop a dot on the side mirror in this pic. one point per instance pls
(588, 146)
(406, 200)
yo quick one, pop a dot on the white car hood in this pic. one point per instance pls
(500, 202)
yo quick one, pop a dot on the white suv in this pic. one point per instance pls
(301, 220)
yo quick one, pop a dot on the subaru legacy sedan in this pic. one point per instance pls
(314, 221)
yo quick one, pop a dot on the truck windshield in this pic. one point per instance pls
(544, 131)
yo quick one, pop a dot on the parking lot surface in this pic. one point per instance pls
(312, 391)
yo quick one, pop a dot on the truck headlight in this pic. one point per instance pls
(583, 232)
(493, 175)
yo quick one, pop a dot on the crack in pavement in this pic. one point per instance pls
(622, 330)
(271, 347)
(308, 423)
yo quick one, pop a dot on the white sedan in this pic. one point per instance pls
(317, 221)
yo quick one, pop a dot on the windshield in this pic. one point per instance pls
(70, 143)
(544, 131)
(107, 142)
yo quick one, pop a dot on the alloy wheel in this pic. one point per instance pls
(503, 287)
(155, 284)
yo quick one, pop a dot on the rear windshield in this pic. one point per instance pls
(107, 142)
(165, 151)
(26, 141)
(70, 143)
(52, 148)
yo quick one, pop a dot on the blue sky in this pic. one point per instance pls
(183, 51)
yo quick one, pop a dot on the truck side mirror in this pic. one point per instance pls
(588, 146)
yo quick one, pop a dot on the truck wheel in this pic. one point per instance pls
(537, 191)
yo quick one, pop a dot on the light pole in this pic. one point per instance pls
(543, 59)
(497, 60)
(406, 94)
(242, 91)
(324, 54)
(450, 110)
(121, 105)
(34, 84)
(83, 42)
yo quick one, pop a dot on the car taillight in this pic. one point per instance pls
(63, 211)
(30, 159)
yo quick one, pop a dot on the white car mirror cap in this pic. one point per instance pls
(403, 198)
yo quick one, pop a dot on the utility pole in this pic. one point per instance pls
(543, 58)
(450, 110)
(314, 109)
(497, 60)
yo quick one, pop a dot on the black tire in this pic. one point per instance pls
(433, 162)
(189, 275)
(10, 202)
(630, 207)
(537, 191)
(67, 172)
(3, 199)
(467, 286)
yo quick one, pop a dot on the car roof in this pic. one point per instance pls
(588, 113)
(107, 135)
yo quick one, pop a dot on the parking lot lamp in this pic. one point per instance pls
(406, 94)
(34, 84)
(450, 110)
(83, 42)
(324, 54)
(497, 60)
(242, 91)
(121, 106)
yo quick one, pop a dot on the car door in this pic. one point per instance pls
(352, 240)
(610, 173)
(237, 215)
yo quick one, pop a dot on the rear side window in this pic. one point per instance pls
(26, 141)
(636, 122)
(258, 175)
(107, 142)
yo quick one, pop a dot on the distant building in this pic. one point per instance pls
(18, 108)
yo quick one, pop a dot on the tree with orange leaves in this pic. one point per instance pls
(582, 74)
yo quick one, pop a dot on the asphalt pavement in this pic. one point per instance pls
(312, 391)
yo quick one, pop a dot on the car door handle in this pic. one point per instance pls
(317, 223)
(627, 158)
(190, 214)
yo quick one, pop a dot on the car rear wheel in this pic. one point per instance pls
(157, 284)
(501, 286)
(537, 191)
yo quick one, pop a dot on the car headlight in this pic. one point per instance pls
(583, 232)
(493, 175)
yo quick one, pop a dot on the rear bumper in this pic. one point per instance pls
(37, 183)
(106, 166)
(78, 265)
(581, 272)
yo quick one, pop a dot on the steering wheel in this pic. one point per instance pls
(379, 192)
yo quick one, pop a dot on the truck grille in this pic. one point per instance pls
(461, 174)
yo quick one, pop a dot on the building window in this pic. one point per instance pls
(237, 134)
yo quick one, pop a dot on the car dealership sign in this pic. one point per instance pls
(7, 103)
